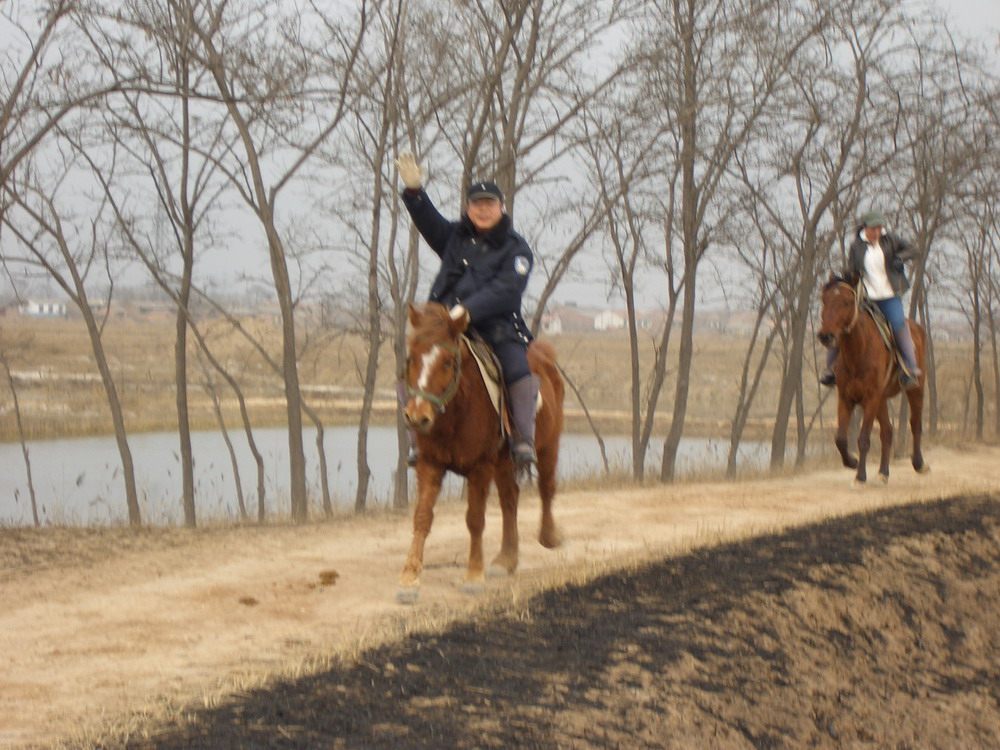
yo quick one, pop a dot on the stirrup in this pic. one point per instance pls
(907, 381)
(828, 379)
(523, 454)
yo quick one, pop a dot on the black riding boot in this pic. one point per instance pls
(523, 404)
(411, 455)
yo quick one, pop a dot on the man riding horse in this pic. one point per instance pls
(877, 256)
(483, 275)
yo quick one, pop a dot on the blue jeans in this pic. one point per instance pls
(892, 309)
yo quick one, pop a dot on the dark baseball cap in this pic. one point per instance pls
(873, 218)
(484, 189)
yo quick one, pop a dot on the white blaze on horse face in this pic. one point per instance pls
(429, 362)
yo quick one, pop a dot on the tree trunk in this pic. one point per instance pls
(23, 442)
(685, 355)
(117, 417)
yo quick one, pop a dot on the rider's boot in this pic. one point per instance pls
(904, 342)
(523, 404)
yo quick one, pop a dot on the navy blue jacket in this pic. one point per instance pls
(487, 274)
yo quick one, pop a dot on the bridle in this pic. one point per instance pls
(857, 308)
(440, 402)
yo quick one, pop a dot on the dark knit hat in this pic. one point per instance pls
(484, 189)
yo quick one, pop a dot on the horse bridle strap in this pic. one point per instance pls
(857, 308)
(441, 402)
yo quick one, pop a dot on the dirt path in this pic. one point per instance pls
(91, 637)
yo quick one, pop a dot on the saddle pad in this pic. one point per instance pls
(489, 366)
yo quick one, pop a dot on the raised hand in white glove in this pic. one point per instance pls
(410, 172)
(459, 313)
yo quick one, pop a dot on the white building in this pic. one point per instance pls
(42, 308)
(609, 320)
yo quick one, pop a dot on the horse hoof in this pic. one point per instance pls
(473, 588)
(495, 570)
(924, 469)
(550, 540)
(407, 594)
(858, 484)
(883, 478)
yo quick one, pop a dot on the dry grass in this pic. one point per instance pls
(61, 394)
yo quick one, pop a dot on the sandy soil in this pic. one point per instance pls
(100, 629)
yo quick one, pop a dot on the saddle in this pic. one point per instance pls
(489, 367)
(882, 325)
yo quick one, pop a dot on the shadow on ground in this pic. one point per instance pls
(877, 630)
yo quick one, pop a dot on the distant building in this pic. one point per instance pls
(552, 324)
(610, 320)
(42, 308)
(568, 319)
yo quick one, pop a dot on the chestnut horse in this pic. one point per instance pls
(867, 374)
(458, 430)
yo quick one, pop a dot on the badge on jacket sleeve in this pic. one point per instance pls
(521, 265)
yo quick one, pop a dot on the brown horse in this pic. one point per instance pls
(458, 430)
(867, 375)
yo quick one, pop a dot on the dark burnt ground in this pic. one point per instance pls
(878, 630)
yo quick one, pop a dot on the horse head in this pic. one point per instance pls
(433, 364)
(840, 310)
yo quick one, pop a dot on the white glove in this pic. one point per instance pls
(459, 313)
(410, 172)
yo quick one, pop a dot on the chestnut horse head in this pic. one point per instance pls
(866, 374)
(433, 365)
(841, 309)
(458, 429)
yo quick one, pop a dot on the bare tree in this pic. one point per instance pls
(538, 64)
(285, 94)
(70, 250)
(712, 67)
(941, 144)
(211, 388)
(162, 133)
(621, 151)
(806, 182)
(45, 78)
(25, 452)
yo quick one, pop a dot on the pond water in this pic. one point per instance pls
(78, 481)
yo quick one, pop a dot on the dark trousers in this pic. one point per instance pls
(513, 356)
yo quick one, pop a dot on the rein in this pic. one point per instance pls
(441, 402)
(854, 321)
(857, 308)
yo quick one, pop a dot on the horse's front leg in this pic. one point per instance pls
(885, 436)
(429, 480)
(505, 562)
(478, 485)
(865, 440)
(844, 410)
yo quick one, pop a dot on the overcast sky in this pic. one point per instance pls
(974, 17)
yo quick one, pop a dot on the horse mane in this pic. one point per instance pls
(850, 279)
(834, 280)
(435, 325)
